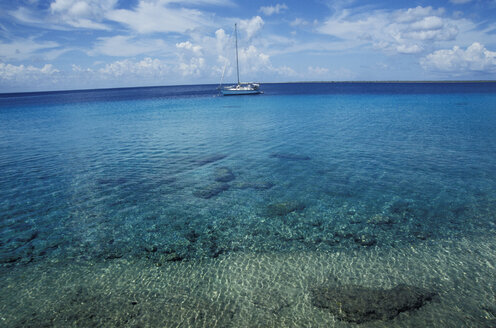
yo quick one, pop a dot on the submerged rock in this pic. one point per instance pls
(360, 304)
(288, 156)
(365, 240)
(271, 300)
(422, 235)
(401, 207)
(379, 219)
(223, 174)
(173, 257)
(211, 190)
(284, 208)
(257, 185)
(23, 238)
(151, 248)
(9, 258)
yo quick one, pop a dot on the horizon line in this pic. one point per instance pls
(287, 82)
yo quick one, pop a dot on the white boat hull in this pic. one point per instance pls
(240, 92)
(241, 89)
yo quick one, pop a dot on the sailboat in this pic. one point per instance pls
(245, 88)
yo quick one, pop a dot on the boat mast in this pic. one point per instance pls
(237, 64)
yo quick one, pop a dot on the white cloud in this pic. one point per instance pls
(401, 31)
(221, 40)
(196, 49)
(77, 68)
(67, 15)
(415, 14)
(147, 67)
(459, 2)
(22, 49)
(147, 16)
(270, 10)
(191, 62)
(251, 26)
(428, 23)
(408, 49)
(253, 61)
(206, 56)
(127, 46)
(82, 14)
(195, 67)
(298, 22)
(161, 16)
(29, 73)
(476, 58)
(317, 70)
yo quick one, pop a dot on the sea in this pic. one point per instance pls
(311, 205)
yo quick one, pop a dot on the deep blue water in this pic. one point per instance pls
(181, 173)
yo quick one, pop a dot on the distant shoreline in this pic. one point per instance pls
(262, 83)
(390, 81)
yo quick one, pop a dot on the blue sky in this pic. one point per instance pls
(74, 44)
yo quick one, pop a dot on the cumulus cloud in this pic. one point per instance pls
(254, 61)
(251, 26)
(221, 41)
(476, 58)
(270, 10)
(11, 72)
(195, 67)
(191, 61)
(400, 31)
(196, 49)
(147, 67)
(211, 56)
(317, 70)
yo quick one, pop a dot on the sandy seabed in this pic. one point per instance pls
(252, 290)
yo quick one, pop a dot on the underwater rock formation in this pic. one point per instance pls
(360, 304)
(288, 156)
(284, 208)
(380, 219)
(211, 190)
(223, 174)
(257, 185)
(365, 240)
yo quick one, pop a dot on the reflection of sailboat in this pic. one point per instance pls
(240, 88)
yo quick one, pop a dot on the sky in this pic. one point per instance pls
(84, 44)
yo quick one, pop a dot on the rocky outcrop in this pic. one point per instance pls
(283, 208)
(360, 304)
(211, 190)
(223, 174)
(257, 185)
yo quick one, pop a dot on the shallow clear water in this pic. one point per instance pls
(180, 179)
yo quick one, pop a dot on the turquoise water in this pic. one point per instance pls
(182, 181)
